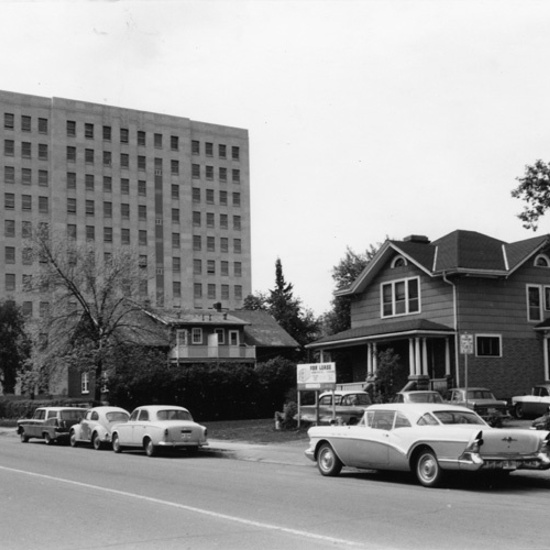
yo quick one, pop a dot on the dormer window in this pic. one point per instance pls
(398, 261)
(542, 260)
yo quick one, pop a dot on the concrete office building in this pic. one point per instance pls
(174, 189)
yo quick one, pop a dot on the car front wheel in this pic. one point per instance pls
(116, 444)
(428, 470)
(518, 411)
(327, 461)
(96, 442)
(24, 437)
(47, 438)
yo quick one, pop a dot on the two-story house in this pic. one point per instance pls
(424, 299)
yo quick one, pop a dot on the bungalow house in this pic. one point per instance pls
(431, 302)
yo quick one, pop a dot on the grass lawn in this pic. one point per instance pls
(254, 431)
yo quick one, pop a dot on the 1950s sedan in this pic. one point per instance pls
(96, 426)
(157, 427)
(428, 440)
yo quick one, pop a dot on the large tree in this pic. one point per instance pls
(534, 189)
(287, 310)
(95, 300)
(14, 345)
(344, 273)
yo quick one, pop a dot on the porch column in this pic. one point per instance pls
(417, 357)
(374, 359)
(411, 357)
(545, 354)
(424, 357)
(447, 357)
(369, 359)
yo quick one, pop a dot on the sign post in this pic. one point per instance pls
(316, 377)
(466, 348)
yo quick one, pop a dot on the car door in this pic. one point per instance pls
(139, 428)
(85, 426)
(369, 447)
(34, 427)
(125, 431)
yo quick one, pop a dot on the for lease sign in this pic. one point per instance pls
(316, 376)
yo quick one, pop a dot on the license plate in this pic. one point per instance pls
(185, 436)
(509, 465)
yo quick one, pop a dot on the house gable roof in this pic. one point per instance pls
(460, 252)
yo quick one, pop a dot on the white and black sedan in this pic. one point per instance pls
(157, 427)
(428, 440)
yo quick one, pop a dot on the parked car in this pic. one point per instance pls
(349, 407)
(418, 396)
(50, 424)
(483, 402)
(534, 404)
(156, 427)
(542, 422)
(95, 427)
(428, 440)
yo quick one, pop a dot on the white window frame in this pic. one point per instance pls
(85, 382)
(221, 335)
(182, 337)
(489, 335)
(541, 293)
(393, 285)
(542, 257)
(234, 338)
(196, 336)
(399, 259)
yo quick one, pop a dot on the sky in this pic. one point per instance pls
(367, 120)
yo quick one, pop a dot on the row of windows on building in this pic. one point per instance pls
(141, 161)
(200, 290)
(26, 150)
(210, 267)
(26, 176)
(124, 136)
(107, 186)
(211, 244)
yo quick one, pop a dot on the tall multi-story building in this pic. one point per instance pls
(174, 189)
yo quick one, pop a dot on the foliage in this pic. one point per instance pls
(210, 392)
(388, 365)
(288, 312)
(24, 408)
(94, 302)
(15, 345)
(275, 378)
(344, 274)
(534, 189)
(254, 302)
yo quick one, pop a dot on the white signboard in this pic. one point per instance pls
(467, 344)
(316, 376)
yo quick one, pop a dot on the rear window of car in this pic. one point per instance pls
(71, 415)
(173, 414)
(117, 417)
(457, 417)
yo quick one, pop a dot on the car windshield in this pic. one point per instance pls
(480, 394)
(457, 417)
(72, 415)
(117, 417)
(173, 414)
